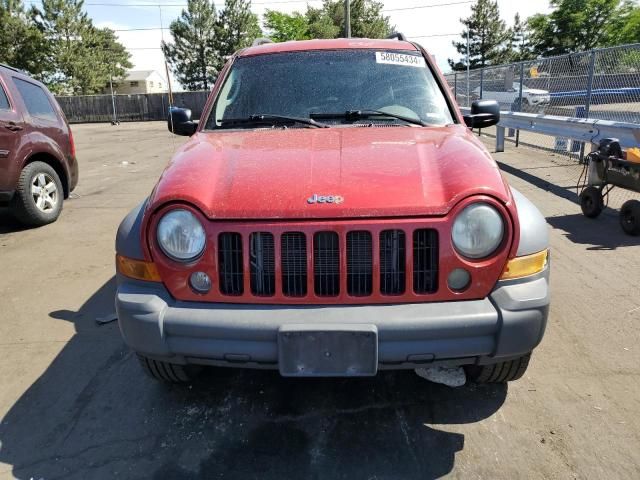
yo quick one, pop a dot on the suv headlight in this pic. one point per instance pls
(477, 231)
(181, 236)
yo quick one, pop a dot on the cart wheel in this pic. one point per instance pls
(630, 217)
(591, 202)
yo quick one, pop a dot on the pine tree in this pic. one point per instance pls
(237, 27)
(81, 58)
(22, 44)
(322, 24)
(327, 21)
(488, 35)
(109, 60)
(64, 25)
(193, 53)
(520, 48)
(367, 20)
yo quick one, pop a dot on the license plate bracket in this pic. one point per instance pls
(328, 350)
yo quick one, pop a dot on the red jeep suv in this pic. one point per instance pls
(38, 167)
(333, 215)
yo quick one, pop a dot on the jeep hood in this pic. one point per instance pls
(378, 172)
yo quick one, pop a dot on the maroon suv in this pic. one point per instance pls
(38, 167)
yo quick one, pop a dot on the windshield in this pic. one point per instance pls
(301, 84)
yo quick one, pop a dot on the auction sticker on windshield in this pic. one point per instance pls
(391, 58)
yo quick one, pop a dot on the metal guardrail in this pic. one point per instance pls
(579, 129)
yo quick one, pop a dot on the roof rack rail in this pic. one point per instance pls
(261, 41)
(11, 68)
(399, 36)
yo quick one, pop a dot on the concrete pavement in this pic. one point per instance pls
(75, 405)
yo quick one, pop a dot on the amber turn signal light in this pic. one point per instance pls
(137, 269)
(525, 266)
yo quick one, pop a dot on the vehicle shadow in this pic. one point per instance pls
(93, 414)
(567, 193)
(602, 233)
(8, 223)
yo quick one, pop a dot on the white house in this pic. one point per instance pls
(139, 81)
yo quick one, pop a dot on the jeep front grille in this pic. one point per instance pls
(294, 264)
(230, 264)
(262, 264)
(425, 261)
(392, 262)
(359, 264)
(328, 262)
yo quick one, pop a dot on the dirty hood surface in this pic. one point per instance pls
(375, 171)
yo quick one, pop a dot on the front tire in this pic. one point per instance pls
(591, 202)
(39, 195)
(499, 372)
(167, 372)
(630, 217)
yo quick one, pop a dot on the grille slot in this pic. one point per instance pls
(262, 264)
(425, 261)
(392, 262)
(230, 264)
(294, 264)
(359, 264)
(326, 264)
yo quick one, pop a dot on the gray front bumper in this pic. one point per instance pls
(509, 323)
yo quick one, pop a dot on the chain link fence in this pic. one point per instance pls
(600, 84)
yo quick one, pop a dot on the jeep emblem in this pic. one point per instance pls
(315, 198)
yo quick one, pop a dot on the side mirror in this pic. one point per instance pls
(484, 113)
(180, 123)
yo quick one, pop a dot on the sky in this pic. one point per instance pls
(434, 27)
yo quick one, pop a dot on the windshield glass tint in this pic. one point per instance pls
(331, 81)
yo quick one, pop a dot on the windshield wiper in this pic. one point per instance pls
(269, 119)
(354, 115)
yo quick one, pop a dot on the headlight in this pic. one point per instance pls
(477, 231)
(181, 236)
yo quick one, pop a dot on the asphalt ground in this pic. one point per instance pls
(74, 403)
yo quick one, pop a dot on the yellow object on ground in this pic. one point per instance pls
(633, 155)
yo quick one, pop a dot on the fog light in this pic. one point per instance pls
(459, 279)
(200, 282)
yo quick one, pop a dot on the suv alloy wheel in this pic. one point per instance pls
(39, 194)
